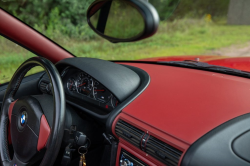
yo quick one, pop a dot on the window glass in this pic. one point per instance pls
(11, 57)
(192, 29)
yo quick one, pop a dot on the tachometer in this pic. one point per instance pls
(100, 92)
(71, 84)
(84, 84)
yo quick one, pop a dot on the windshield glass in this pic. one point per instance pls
(218, 28)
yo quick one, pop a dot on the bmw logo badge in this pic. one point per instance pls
(23, 118)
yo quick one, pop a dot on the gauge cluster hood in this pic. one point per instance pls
(120, 80)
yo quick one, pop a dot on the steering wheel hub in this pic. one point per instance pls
(25, 127)
(24, 118)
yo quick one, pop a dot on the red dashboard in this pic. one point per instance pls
(181, 105)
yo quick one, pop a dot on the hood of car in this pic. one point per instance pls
(240, 63)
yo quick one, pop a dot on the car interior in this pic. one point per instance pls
(89, 111)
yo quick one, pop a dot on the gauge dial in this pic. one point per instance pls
(84, 84)
(71, 84)
(100, 92)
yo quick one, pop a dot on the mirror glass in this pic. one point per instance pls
(117, 19)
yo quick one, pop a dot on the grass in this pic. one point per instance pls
(181, 37)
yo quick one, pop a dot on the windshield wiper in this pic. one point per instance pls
(208, 67)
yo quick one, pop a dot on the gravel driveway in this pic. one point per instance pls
(233, 51)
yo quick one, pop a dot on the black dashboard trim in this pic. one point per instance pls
(109, 118)
(216, 147)
(119, 80)
(145, 81)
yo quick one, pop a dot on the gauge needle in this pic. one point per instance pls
(82, 84)
(100, 90)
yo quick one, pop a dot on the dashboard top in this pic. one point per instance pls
(191, 102)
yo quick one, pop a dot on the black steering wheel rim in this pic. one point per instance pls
(57, 129)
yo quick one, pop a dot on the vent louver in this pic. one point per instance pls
(163, 152)
(129, 133)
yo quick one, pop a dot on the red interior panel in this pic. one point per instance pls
(184, 104)
(10, 110)
(10, 113)
(43, 133)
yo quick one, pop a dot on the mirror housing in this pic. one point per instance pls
(123, 20)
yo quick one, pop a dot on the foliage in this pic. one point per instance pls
(67, 17)
(200, 8)
(180, 37)
(191, 30)
(165, 8)
(55, 18)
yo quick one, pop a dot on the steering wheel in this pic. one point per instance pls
(36, 131)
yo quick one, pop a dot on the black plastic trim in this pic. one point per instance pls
(129, 133)
(109, 118)
(241, 146)
(119, 80)
(145, 81)
(163, 152)
(216, 147)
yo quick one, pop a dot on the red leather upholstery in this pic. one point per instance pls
(43, 134)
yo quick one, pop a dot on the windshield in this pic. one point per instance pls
(212, 27)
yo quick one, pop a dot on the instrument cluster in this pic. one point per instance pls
(81, 83)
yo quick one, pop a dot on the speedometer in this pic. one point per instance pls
(84, 84)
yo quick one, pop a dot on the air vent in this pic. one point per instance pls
(163, 152)
(129, 133)
(45, 87)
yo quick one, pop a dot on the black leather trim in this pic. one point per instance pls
(57, 129)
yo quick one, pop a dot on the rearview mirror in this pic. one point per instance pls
(123, 20)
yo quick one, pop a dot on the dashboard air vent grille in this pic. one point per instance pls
(129, 133)
(163, 152)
